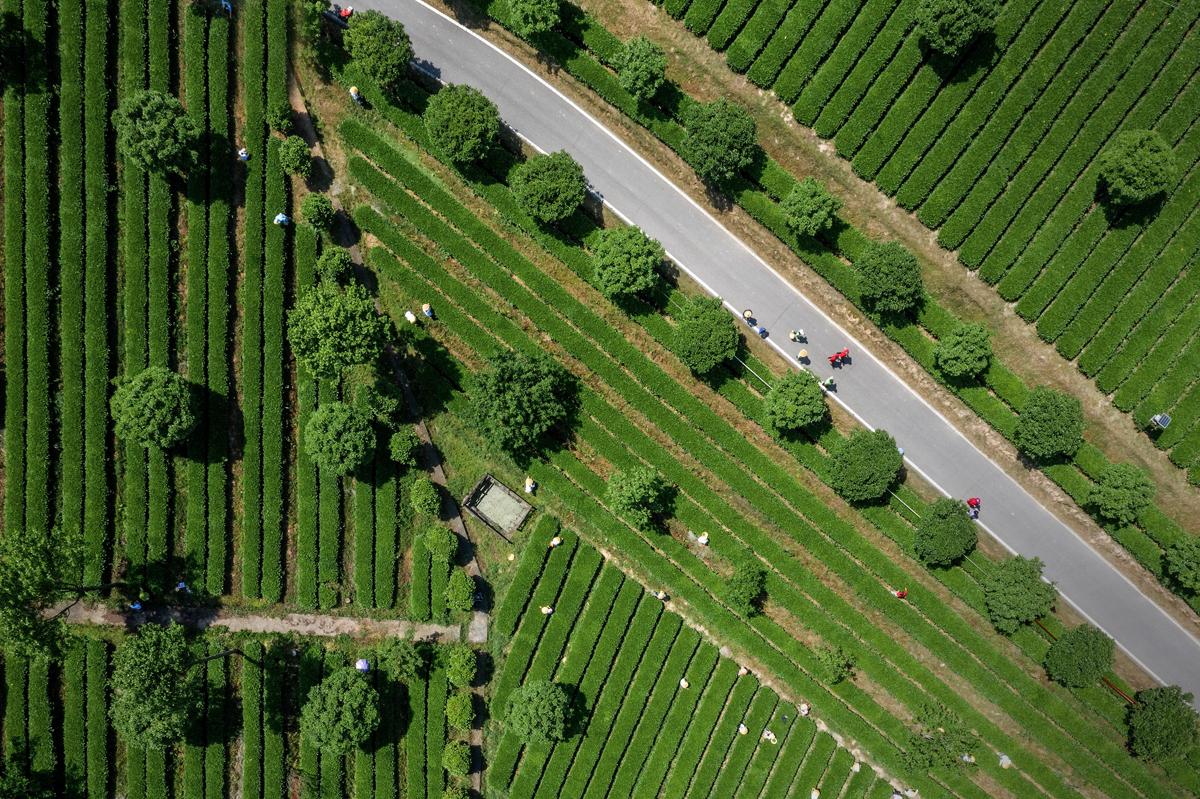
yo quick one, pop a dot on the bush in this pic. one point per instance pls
(1050, 424)
(312, 16)
(641, 67)
(1122, 492)
(460, 592)
(549, 187)
(330, 330)
(948, 26)
(965, 351)
(461, 663)
(945, 533)
(340, 713)
(865, 465)
(1163, 724)
(810, 208)
(425, 497)
(719, 139)
(460, 710)
(794, 402)
(527, 17)
(1137, 165)
(317, 210)
(1015, 593)
(155, 132)
(519, 399)
(380, 46)
(743, 591)
(404, 446)
(456, 758)
(835, 664)
(889, 277)
(940, 740)
(155, 407)
(339, 438)
(294, 157)
(334, 262)
(152, 700)
(1183, 562)
(637, 495)
(625, 261)
(1080, 657)
(537, 712)
(279, 116)
(704, 335)
(462, 122)
(455, 792)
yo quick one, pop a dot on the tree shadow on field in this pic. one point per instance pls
(22, 58)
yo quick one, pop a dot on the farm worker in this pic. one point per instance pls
(815, 793)
(1005, 762)
(529, 484)
(833, 359)
(683, 683)
(547, 610)
(802, 355)
(973, 502)
(743, 729)
(555, 541)
(362, 665)
(411, 317)
(828, 382)
(857, 767)
(136, 605)
(182, 586)
(427, 309)
(973, 513)
(243, 154)
(354, 93)
(967, 757)
(661, 595)
(761, 331)
(770, 736)
(897, 795)
(796, 335)
(743, 671)
(844, 354)
(346, 12)
(903, 592)
(911, 793)
(281, 218)
(142, 595)
(747, 315)
(805, 708)
(703, 539)
(228, 9)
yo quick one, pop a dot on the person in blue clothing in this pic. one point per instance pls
(281, 218)
(226, 7)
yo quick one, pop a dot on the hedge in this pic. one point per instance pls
(273, 420)
(754, 35)
(216, 764)
(728, 753)
(730, 21)
(418, 591)
(307, 511)
(825, 33)
(414, 740)
(790, 32)
(516, 598)
(330, 520)
(793, 753)
(14, 289)
(252, 723)
(273, 745)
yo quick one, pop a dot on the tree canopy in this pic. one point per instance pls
(424, 497)
(1050, 424)
(456, 758)
(31, 572)
(331, 330)
(462, 122)
(889, 277)
(460, 591)
(461, 664)
(794, 402)
(1183, 562)
(625, 260)
(940, 740)
(404, 446)
(1137, 165)
(641, 67)
(865, 465)
(945, 533)
(637, 495)
(836, 665)
(155, 132)
(537, 712)
(460, 711)
(528, 17)
(1163, 724)
(948, 26)
(704, 334)
(1015, 593)
(339, 438)
(810, 208)
(518, 399)
(1080, 657)
(965, 351)
(156, 407)
(341, 712)
(295, 157)
(153, 700)
(1122, 492)
(719, 139)
(550, 186)
(317, 210)
(745, 589)
(380, 46)
(333, 263)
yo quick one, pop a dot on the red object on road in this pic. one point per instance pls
(973, 502)
(833, 359)
(844, 354)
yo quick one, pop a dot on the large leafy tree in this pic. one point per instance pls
(341, 712)
(461, 664)
(719, 139)
(537, 712)
(1080, 657)
(641, 67)
(889, 277)
(704, 334)
(331, 330)
(1015, 593)
(950, 25)
(528, 17)
(1137, 165)
(380, 46)
(518, 399)
(940, 740)
(625, 260)
(339, 437)
(1050, 424)
(294, 157)
(745, 589)
(810, 208)
(865, 464)
(31, 572)
(945, 533)
(1163, 724)
(966, 350)
(1122, 492)
(156, 407)
(638, 495)
(550, 186)
(462, 122)
(794, 402)
(155, 132)
(153, 698)
(1183, 562)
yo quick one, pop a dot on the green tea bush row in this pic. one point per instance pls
(414, 740)
(97, 719)
(676, 8)
(14, 290)
(825, 33)
(792, 755)
(216, 763)
(418, 595)
(329, 512)
(687, 760)
(273, 744)
(730, 764)
(560, 624)
(508, 615)
(74, 715)
(333, 766)
(252, 723)
(364, 529)
(42, 757)
(274, 289)
(783, 43)
(311, 658)
(700, 15)
(307, 242)
(754, 35)
(730, 21)
(435, 730)
(386, 554)
(881, 90)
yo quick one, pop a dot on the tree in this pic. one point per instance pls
(940, 740)
(1080, 657)
(537, 712)
(312, 16)
(865, 465)
(456, 758)
(317, 210)
(1015, 593)
(794, 402)
(1183, 562)
(835, 664)
(719, 139)
(399, 660)
(455, 792)
(460, 592)
(404, 446)
(1050, 424)
(341, 712)
(461, 664)
(1123, 491)
(641, 67)
(330, 330)
(549, 187)
(153, 701)
(744, 590)
(294, 157)
(29, 569)
(278, 115)
(519, 399)
(333, 263)
(462, 122)
(442, 544)
(339, 438)
(156, 407)
(704, 334)
(15, 785)
(380, 46)
(638, 495)
(945, 534)
(527, 17)
(425, 497)
(1163, 723)
(1137, 165)
(810, 208)
(626, 260)
(460, 711)
(155, 133)
(965, 351)
(948, 26)
(889, 277)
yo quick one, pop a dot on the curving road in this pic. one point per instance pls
(866, 388)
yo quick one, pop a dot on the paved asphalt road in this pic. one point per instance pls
(867, 388)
